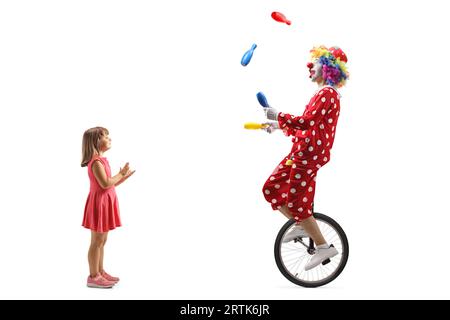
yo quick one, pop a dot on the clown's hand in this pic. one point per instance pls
(271, 113)
(270, 127)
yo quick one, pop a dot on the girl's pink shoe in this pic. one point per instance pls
(99, 282)
(110, 277)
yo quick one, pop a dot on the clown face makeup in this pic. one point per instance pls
(314, 70)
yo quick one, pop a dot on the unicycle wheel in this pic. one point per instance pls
(291, 257)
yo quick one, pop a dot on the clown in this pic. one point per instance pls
(290, 188)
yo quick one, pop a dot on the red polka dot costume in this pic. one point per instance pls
(293, 184)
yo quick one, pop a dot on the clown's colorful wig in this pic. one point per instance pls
(334, 65)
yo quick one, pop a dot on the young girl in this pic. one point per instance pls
(101, 212)
(290, 189)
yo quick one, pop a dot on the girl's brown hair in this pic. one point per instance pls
(91, 143)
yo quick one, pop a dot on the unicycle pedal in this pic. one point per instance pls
(325, 262)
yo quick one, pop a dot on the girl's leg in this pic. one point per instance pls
(97, 239)
(100, 265)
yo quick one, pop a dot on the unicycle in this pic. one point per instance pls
(291, 257)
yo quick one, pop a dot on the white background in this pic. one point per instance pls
(165, 78)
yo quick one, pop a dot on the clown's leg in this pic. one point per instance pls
(312, 228)
(276, 186)
(285, 211)
(300, 200)
(305, 218)
(309, 226)
(297, 231)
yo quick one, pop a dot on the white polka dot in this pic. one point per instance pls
(319, 142)
(321, 92)
(323, 151)
(294, 166)
(290, 205)
(323, 99)
(315, 158)
(310, 189)
(325, 159)
(305, 162)
(298, 176)
(332, 100)
(314, 112)
(272, 178)
(300, 154)
(278, 207)
(283, 174)
(277, 186)
(300, 209)
(332, 129)
(326, 135)
(307, 140)
(309, 171)
(313, 132)
(296, 139)
(328, 144)
(289, 121)
(305, 199)
(274, 200)
(296, 218)
(330, 120)
(310, 149)
(284, 195)
(335, 106)
(301, 120)
(288, 181)
(309, 211)
(314, 178)
(321, 126)
(282, 114)
(318, 166)
(303, 183)
(280, 166)
(311, 123)
(267, 191)
(293, 190)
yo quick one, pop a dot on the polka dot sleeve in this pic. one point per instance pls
(312, 115)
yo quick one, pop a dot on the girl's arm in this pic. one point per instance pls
(118, 183)
(322, 104)
(102, 178)
(124, 178)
